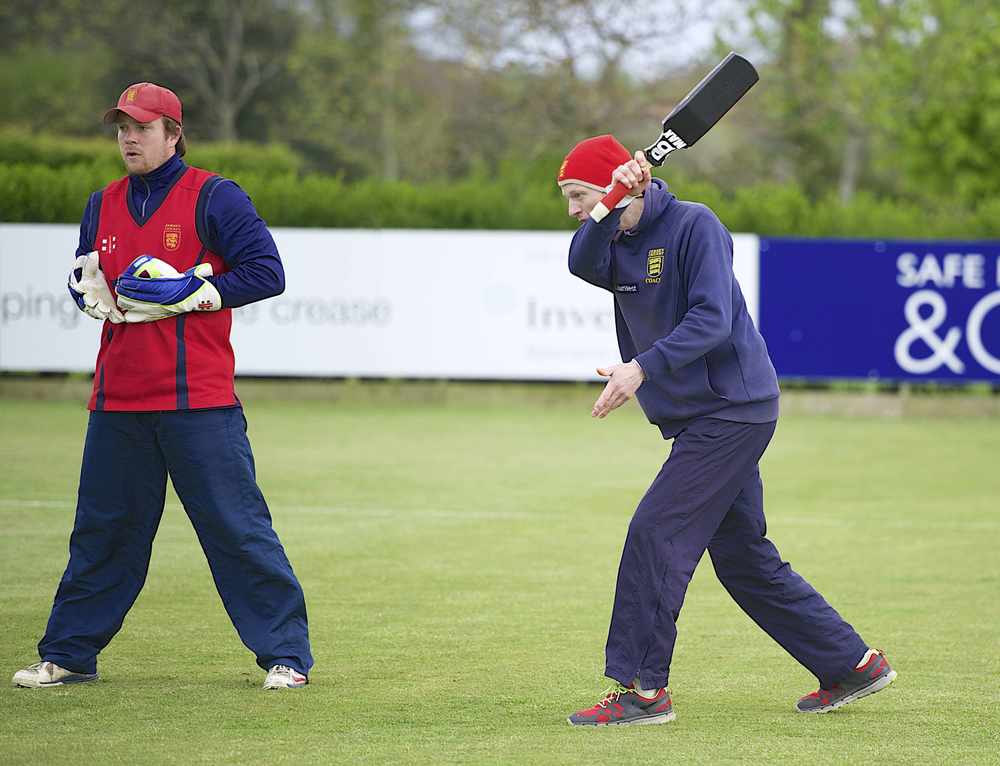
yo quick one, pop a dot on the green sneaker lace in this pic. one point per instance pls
(612, 693)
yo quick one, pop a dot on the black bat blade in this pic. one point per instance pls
(704, 106)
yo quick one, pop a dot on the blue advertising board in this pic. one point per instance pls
(895, 310)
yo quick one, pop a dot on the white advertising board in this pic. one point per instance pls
(360, 303)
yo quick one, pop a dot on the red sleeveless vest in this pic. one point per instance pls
(181, 363)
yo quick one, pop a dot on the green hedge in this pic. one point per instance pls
(39, 194)
(18, 147)
(44, 179)
(784, 210)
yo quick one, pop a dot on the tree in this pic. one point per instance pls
(353, 67)
(54, 63)
(588, 53)
(942, 110)
(220, 56)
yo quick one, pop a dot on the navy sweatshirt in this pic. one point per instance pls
(679, 312)
(234, 230)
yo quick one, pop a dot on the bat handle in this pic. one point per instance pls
(606, 205)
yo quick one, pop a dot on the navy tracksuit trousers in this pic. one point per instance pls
(126, 460)
(708, 495)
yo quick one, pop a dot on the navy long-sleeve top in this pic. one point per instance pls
(679, 312)
(235, 232)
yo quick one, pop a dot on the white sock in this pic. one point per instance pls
(645, 693)
(868, 656)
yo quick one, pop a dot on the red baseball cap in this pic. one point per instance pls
(591, 162)
(145, 102)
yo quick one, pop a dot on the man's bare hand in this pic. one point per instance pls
(635, 175)
(623, 381)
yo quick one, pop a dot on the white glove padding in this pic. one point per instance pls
(90, 289)
(148, 291)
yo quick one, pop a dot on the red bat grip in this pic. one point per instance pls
(617, 194)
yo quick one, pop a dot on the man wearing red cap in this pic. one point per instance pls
(187, 247)
(700, 370)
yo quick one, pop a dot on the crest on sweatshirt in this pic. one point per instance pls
(654, 264)
(171, 236)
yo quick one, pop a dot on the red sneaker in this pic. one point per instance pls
(871, 677)
(621, 706)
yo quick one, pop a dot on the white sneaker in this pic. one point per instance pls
(42, 675)
(284, 677)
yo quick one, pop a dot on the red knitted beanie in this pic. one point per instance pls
(591, 162)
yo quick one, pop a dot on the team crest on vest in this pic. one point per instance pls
(171, 236)
(654, 264)
(109, 243)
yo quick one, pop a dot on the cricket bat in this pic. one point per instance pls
(692, 118)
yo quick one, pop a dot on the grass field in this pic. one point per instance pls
(459, 563)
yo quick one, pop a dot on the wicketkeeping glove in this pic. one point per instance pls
(148, 291)
(90, 289)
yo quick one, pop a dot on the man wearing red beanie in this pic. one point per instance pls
(700, 370)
